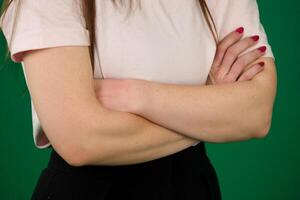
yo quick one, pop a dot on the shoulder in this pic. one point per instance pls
(43, 10)
(229, 14)
(224, 8)
(226, 4)
(31, 24)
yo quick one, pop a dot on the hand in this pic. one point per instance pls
(228, 66)
(119, 94)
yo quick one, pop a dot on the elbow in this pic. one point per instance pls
(74, 153)
(74, 157)
(87, 151)
(263, 112)
(78, 141)
(262, 129)
(75, 146)
(80, 155)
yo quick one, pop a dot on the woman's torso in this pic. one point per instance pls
(165, 40)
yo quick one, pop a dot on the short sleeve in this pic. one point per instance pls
(232, 14)
(32, 24)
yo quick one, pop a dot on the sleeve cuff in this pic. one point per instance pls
(45, 39)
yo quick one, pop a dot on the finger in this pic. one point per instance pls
(243, 61)
(234, 51)
(226, 42)
(251, 72)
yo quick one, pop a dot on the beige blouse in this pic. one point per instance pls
(165, 40)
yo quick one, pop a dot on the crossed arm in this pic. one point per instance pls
(227, 110)
(215, 113)
(84, 132)
(78, 127)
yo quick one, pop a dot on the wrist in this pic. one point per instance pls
(139, 97)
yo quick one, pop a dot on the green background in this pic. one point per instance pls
(257, 169)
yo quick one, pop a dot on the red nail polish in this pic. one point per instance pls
(255, 38)
(240, 30)
(262, 49)
(261, 64)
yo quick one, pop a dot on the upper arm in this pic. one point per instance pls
(60, 82)
(266, 80)
(51, 39)
(231, 14)
(264, 85)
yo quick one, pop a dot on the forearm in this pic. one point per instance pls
(216, 113)
(124, 138)
(78, 127)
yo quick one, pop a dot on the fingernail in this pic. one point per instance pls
(255, 38)
(240, 30)
(262, 49)
(261, 64)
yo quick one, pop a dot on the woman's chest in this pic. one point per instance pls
(165, 42)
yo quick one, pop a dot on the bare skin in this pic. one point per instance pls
(79, 127)
(236, 104)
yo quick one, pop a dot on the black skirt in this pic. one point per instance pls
(186, 175)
